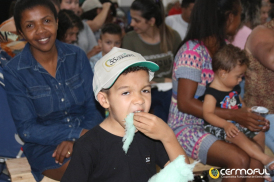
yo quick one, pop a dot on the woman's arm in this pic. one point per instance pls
(92, 115)
(260, 44)
(25, 116)
(100, 19)
(188, 104)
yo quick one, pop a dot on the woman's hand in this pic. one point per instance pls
(231, 130)
(152, 126)
(62, 151)
(250, 120)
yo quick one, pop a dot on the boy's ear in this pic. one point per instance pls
(222, 73)
(103, 100)
(100, 42)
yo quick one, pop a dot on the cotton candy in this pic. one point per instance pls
(130, 131)
(176, 171)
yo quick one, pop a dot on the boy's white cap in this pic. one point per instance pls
(110, 66)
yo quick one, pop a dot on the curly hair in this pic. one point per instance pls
(228, 57)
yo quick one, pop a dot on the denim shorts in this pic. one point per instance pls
(40, 159)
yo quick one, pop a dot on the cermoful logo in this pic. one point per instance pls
(214, 173)
(112, 61)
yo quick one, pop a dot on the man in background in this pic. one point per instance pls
(180, 22)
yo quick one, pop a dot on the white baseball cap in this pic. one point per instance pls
(110, 66)
(91, 4)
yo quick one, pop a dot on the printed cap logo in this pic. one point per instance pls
(111, 62)
(214, 173)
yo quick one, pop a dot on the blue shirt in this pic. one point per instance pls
(48, 110)
(94, 59)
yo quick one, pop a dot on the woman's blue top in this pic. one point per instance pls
(48, 110)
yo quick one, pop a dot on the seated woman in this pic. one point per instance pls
(211, 23)
(157, 43)
(49, 88)
(69, 25)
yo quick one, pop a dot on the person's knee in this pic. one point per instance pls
(241, 161)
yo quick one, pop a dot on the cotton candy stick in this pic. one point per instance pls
(130, 131)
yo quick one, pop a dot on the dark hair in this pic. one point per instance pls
(155, 9)
(251, 12)
(228, 57)
(22, 5)
(126, 71)
(67, 19)
(209, 19)
(185, 3)
(56, 3)
(89, 15)
(111, 28)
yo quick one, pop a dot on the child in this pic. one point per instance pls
(229, 65)
(121, 84)
(69, 25)
(111, 36)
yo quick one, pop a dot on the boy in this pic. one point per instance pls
(121, 85)
(111, 36)
(229, 65)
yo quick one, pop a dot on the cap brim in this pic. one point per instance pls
(153, 67)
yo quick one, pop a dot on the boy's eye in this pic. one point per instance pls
(125, 93)
(47, 20)
(146, 91)
(109, 42)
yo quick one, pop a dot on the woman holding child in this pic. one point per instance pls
(49, 88)
(211, 22)
(158, 43)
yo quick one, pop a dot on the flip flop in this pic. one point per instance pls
(268, 165)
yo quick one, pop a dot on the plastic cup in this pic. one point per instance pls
(260, 110)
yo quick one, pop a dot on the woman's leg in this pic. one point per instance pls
(229, 156)
(58, 173)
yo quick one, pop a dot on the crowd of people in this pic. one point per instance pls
(74, 70)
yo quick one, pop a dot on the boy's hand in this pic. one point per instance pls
(62, 151)
(152, 126)
(231, 130)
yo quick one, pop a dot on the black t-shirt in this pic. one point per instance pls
(98, 156)
(225, 99)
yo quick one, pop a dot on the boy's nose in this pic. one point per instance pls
(138, 99)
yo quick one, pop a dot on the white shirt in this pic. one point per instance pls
(177, 23)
